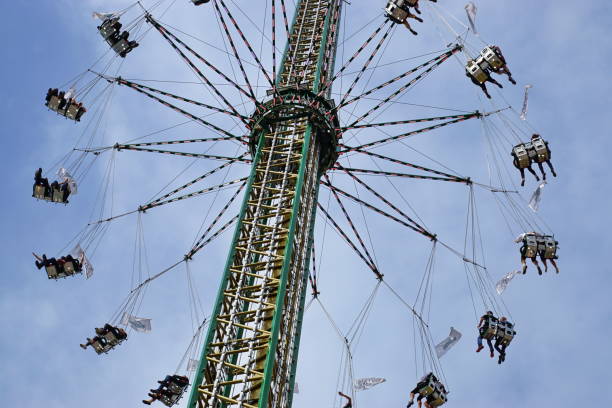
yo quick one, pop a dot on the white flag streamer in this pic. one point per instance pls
(534, 203)
(362, 384)
(79, 254)
(103, 16)
(139, 324)
(64, 176)
(471, 10)
(525, 102)
(503, 283)
(192, 364)
(448, 343)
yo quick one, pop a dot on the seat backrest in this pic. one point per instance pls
(522, 156)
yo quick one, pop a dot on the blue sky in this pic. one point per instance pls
(563, 320)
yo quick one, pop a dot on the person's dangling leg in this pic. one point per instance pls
(417, 18)
(410, 28)
(524, 263)
(507, 72)
(551, 168)
(492, 80)
(542, 170)
(535, 262)
(484, 89)
(89, 343)
(522, 177)
(491, 350)
(532, 171)
(552, 261)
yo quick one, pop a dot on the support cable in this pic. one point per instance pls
(167, 35)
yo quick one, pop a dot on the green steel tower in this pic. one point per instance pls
(250, 353)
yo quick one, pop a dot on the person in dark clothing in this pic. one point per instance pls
(515, 162)
(80, 112)
(416, 391)
(44, 261)
(482, 326)
(543, 159)
(483, 85)
(157, 395)
(62, 102)
(118, 333)
(90, 342)
(171, 388)
(39, 180)
(50, 94)
(504, 68)
(500, 345)
(65, 189)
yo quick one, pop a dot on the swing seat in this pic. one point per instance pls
(39, 192)
(71, 268)
(505, 332)
(492, 59)
(172, 400)
(397, 11)
(178, 384)
(71, 111)
(531, 246)
(52, 272)
(542, 154)
(428, 388)
(53, 103)
(199, 2)
(548, 247)
(489, 328)
(108, 29)
(476, 72)
(101, 346)
(57, 196)
(122, 46)
(521, 157)
(438, 398)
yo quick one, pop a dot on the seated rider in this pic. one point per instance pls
(504, 68)
(51, 93)
(80, 111)
(39, 180)
(482, 84)
(119, 334)
(423, 382)
(170, 387)
(501, 345)
(44, 261)
(544, 259)
(482, 326)
(522, 169)
(524, 250)
(538, 160)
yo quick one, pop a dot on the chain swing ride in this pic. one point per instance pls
(300, 135)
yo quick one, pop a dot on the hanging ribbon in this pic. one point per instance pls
(448, 343)
(471, 10)
(536, 197)
(139, 324)
(525, 102)
(503, 283)
(362, 384)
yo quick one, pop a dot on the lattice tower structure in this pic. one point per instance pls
(250, 353)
